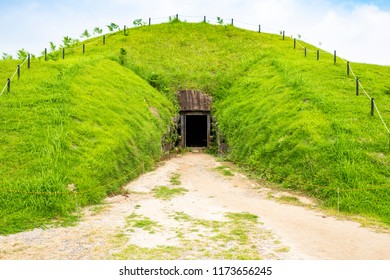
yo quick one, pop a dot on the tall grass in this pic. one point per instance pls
(94, 120)
(308, 131)
(290, 119)
(90, 123)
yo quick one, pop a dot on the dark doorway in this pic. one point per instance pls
(196, 130)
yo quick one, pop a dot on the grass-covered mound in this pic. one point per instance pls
(309, 132)
(288, 118)
(93, 120)
(89, 123)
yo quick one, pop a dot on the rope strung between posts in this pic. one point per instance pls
(90, 43)
(359, 84)
(16, 71)
(365, 92)
(6, 85)
(381, 118)
(237, 21)
(309, 50)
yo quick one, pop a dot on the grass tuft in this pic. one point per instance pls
(166, 193)
(175, 179)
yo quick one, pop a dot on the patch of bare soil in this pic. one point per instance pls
(193, 207)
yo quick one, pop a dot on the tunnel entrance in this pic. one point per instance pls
(195, 120)
(196, 130)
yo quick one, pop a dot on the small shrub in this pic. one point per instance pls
(85, 34)
(97, 30)
(6, 56)
(122, 56)
(174, 19)
(224, 170)
(22, 54)
(139, 22)
(112, 27)
(158, 82)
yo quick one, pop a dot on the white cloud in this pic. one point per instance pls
(359, 35)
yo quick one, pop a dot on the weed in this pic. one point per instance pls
(175, 179)
(282, 250)
(289, 200)
(237, 238)
(239, 217)
(144, 223)
(224, 170)
(122, 56)
(166, 193)
(97, 209)
(141, 253)
(181, 216)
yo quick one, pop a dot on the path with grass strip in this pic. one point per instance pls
(194, 206)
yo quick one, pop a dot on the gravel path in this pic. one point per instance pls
(206, 212)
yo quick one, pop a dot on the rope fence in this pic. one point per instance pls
(359, 85)
(17, 71)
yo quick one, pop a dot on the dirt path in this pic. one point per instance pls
(193, 207)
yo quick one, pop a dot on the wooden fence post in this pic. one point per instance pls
(104, 39)
(335, 57)
(9, 85)
(318, 54)
(63, 53)
(305, 51)
(18, 71)
(150, 21)
(357, 86)
(232, 22)
(295, 43)
(283, 34)
(45, 54)
(348, 68)
(372, 106)
(83, 48)
(259, 28)
(204, 19)
(28, 61)
(124, 30)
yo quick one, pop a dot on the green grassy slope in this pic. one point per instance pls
(309, 132)
(89, 121)
(290, 119)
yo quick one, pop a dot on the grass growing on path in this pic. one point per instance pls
(166, 193)
(175, 179)
(224, 170)
(239, 237)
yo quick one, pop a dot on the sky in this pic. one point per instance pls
(357, 29)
